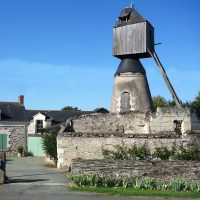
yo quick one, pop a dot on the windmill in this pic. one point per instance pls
(133, 39)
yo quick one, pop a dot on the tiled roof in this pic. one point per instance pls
(12, 111)
(57, 115)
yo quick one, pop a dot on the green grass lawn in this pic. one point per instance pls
(134, 192)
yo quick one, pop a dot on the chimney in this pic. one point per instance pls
(21, 100)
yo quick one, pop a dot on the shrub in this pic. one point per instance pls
(122, 152)
(143, 152)
(49, 143)
(192, 153)
(107, 154)
(162, 152)
(20, 149)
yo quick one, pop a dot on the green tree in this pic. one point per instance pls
(171, 103)
(70, 108)
(196, 104)
(187, 104)
(159, 101)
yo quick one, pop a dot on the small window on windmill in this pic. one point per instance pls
(177, 126)
(125, 15)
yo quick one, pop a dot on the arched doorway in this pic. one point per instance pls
(125, 102)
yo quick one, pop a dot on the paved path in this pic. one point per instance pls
(30, 179)
(33, 171)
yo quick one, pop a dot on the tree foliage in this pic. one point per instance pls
(70, 108)
(159, 101)
(49, 143)
(196, 104)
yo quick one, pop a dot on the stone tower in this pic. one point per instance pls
(133, 37)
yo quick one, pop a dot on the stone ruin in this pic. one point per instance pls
(83, 137)
(131, 118)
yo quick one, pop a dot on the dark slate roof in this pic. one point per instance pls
(129, 16)
(57, 115)
(12, 111)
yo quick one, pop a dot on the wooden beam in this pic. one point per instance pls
(165, 77)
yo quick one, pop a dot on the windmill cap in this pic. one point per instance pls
(130, 65)
(129, 16)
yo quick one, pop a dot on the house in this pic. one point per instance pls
(13, 125)
(22, 127)
(40, 119)
(43, 119)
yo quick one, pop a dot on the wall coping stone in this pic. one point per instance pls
(167, 135)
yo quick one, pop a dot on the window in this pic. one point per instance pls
(125, 102)
(39, 126)
(124, 18)
(3, 141)
(177, 126)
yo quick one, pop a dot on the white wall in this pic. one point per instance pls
(32, 125)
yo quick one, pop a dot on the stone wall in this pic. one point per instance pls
(111, 123)
(16, 136)
(164, 120)
(187, 170)
(90, 132)
(89, 146)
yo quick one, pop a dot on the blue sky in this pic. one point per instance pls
(59, 52)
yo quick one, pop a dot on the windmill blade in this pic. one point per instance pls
(166, 79)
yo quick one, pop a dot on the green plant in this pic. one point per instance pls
(162, 152)
(192, 153)
(49, 143)
(133, 151)
(20, 149)
(95, 180)
(177, 185)
(121, 152)
(143, 152)
(107, 154)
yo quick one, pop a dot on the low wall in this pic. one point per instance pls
(187, 170)
(2, 167)
(89, 146)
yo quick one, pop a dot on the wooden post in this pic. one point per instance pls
(166, 79)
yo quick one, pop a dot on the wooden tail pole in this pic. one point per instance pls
(166, 79)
